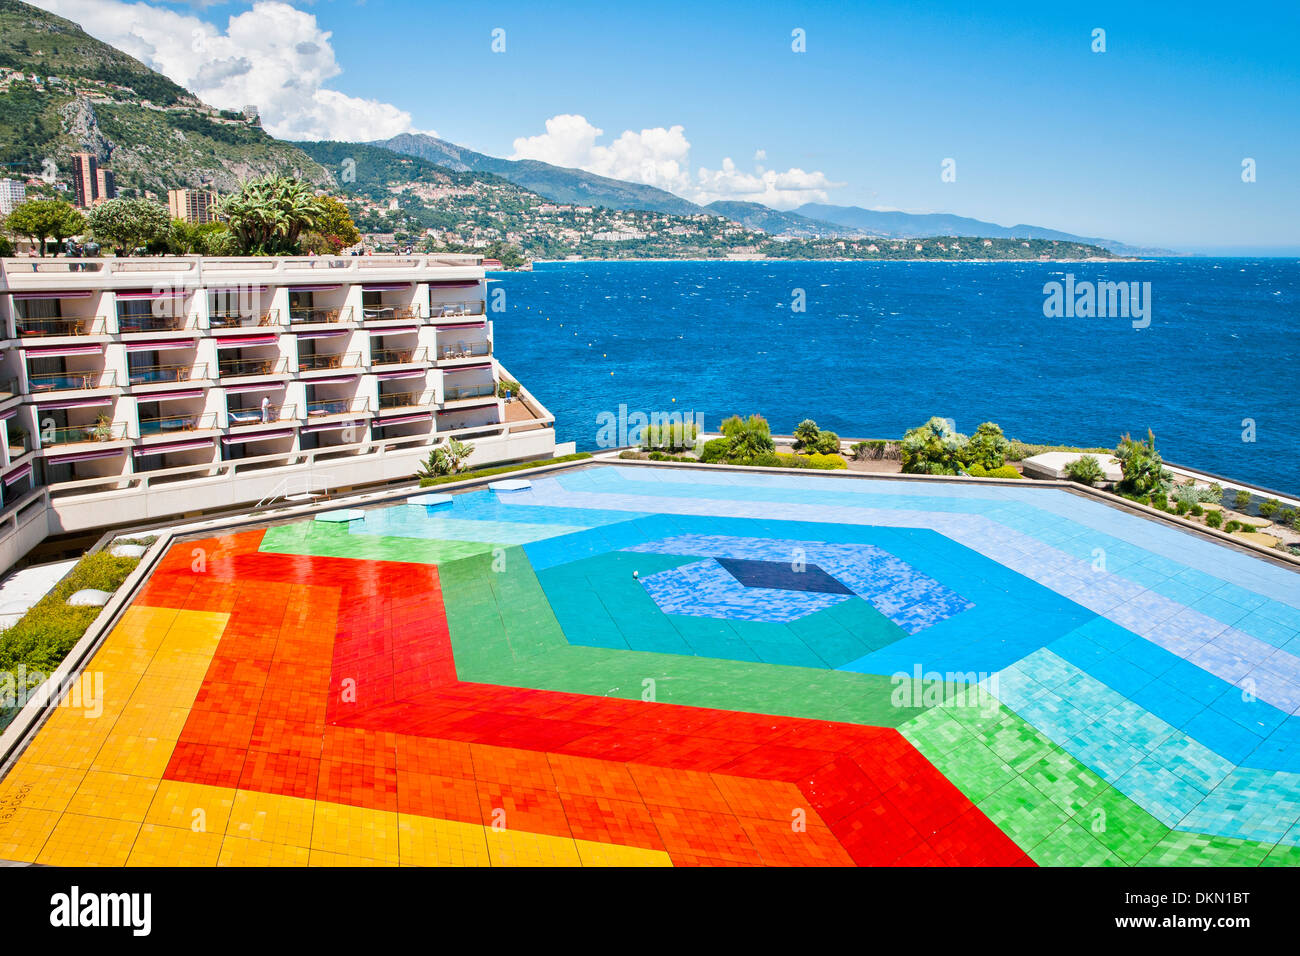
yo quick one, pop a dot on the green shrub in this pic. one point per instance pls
(1241, 500)
(827, 462)
(747, 437)
(1144, 470)
(828, 443)
(42, 638)
(500, 470)
(1160, 500)
(1233, 525)
(988, 447)
(932, 449)
(1214, 519)
(1286, 516)
(1269, 508)
(1183, 506)
(714, 450)
(806, 435)
(1197, 511)
(1086, 470)
(669, 437)
(810, 439)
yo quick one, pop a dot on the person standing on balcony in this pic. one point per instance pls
(266, 409)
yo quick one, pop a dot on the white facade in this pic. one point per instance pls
(142, 388)
(12, 193)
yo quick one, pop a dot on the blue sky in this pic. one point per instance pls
(1143, 142)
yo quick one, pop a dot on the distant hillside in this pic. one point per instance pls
(755, 215)
(553, 182)
(62, 91)
(901, 225)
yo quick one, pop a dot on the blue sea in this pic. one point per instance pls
(881, 346)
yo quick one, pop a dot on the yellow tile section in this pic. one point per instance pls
(271, 818)
(116, 796)
(88, 791)
(79, 793)
(172, 846)
(424, 841)
(79, 840)
(355, 831)
(24, 832)
(35, 786)
(517, 848)
(191, 806)
(609, 854)
(237, 852)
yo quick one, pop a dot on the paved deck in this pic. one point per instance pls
(644, 666)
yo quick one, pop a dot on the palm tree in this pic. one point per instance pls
(267, 216)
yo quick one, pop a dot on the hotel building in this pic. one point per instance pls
(192, 205)
(134, 390)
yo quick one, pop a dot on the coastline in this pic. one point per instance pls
(842, 259)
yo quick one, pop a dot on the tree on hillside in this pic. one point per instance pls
(334, 230)
(42, 219)
(268, 216)
(127, 224)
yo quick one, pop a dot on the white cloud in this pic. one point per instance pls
(271, 56)
(661, 157)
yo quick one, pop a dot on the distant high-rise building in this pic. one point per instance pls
(93, 183)
(192, 205)
(105, 185)
(85, 178)
(12, 193)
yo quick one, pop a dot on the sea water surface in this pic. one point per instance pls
(882, 346)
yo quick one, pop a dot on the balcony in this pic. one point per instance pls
(78, 434)
(248, 368)
(71, 381)
(176, 424)
(301, 316)
(165, 374)
(462, 350)
(319, 363)
(270, 318)
(128, 324)
(412, 399)
(457, 393)
(410, 356)
(337, 406)
(255, 415)
(449, 310)
(389, 313)
(44, 328)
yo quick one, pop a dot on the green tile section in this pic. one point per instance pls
(599, 603)
(503, 631)
(327, 540)
(1055, 808)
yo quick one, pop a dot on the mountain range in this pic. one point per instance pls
(569, 185)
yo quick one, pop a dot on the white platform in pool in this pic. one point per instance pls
(430, 500)
(342, 515)
(511, 484)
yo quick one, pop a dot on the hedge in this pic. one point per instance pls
(979, 471)
(501, 470)
(39, 641)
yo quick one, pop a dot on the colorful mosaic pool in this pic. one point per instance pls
(627, 665)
